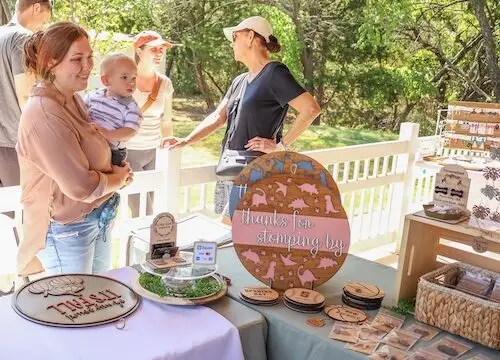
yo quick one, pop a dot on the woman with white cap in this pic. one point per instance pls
(154, 96)
(266, 91)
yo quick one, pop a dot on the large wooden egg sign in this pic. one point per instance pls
(291, 231)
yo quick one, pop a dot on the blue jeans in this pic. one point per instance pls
(83, 246)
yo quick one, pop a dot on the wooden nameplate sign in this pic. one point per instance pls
(290, 230)
(75, 300)
(451, 193)
(163, 252)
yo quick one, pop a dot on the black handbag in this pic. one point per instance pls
(231, 162)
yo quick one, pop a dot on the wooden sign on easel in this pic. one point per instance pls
(452, 187)
(163, 238)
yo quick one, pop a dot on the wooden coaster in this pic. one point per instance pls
(363, 291)
(302, 310)
(302, 296)
(361, 305)
(260, 303)
(345, 313)
(315, 322)
(260, 294)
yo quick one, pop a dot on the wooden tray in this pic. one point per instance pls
(453, 222)
(170, 300)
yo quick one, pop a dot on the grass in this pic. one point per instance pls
(189, 112)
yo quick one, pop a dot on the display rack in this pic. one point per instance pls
(471, 126)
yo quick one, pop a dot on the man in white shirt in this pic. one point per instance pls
(30, 16)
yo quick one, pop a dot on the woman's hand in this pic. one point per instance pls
(124, 172)
(172, 142)
(262, 145)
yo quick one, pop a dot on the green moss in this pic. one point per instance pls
(198, 288)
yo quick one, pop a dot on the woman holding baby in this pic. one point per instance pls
(68, 181)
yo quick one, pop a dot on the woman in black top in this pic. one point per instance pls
(270, 90)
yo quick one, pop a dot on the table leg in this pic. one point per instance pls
(417, 257)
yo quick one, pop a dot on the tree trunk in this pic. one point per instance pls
(203, 86)
(489, 44)
(5, 15)
(169, 66)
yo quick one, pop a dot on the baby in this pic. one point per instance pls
(113, 109)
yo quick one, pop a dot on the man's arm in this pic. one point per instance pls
(23, 83)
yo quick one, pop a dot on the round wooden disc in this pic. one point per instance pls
(286, 163)
(345, 313)
(290, 233)
(302, 310)
(260, 294)
(304, 296)
(260, 303)
(361, 305)
(364, 291)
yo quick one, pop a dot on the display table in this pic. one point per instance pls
(289, 337)
(154, 331)
(421, 245)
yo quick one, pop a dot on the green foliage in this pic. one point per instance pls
(369, 63)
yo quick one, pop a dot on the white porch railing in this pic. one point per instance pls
(379, 185)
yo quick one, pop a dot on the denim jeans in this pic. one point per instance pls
(83, 246)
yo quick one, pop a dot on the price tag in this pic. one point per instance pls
(205, 253)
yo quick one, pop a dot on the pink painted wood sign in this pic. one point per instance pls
(291, 230)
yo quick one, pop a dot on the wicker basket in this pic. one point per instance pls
(472, 317)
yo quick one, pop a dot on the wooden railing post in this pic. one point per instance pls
(403, 192)
(169, 163)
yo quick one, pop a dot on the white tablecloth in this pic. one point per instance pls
(153, 332)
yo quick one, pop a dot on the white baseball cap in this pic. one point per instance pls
(256, 23)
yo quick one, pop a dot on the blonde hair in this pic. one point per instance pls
(109, 62)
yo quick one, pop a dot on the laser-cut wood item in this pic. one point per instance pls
(286, 163)
(345, 313)
(291, 231)
(75, 300)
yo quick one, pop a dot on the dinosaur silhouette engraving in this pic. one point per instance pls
(259, 198)
(329, 205)
(280, 165)
(306, 276)
(305, 165)
(256, 175)
(251, 256)
(325, 263)
(282, 188)
(298, 204)
(308, 188)
(287, 261)
(270, 271)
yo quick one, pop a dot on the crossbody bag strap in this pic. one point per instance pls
(236, 107)
(153, 95)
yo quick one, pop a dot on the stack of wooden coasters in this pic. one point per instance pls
(363, 296)
(304, 300)
(259, 296)
(345, 314)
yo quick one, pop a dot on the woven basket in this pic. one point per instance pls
(472, 317)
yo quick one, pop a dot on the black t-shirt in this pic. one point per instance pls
(264, 104)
